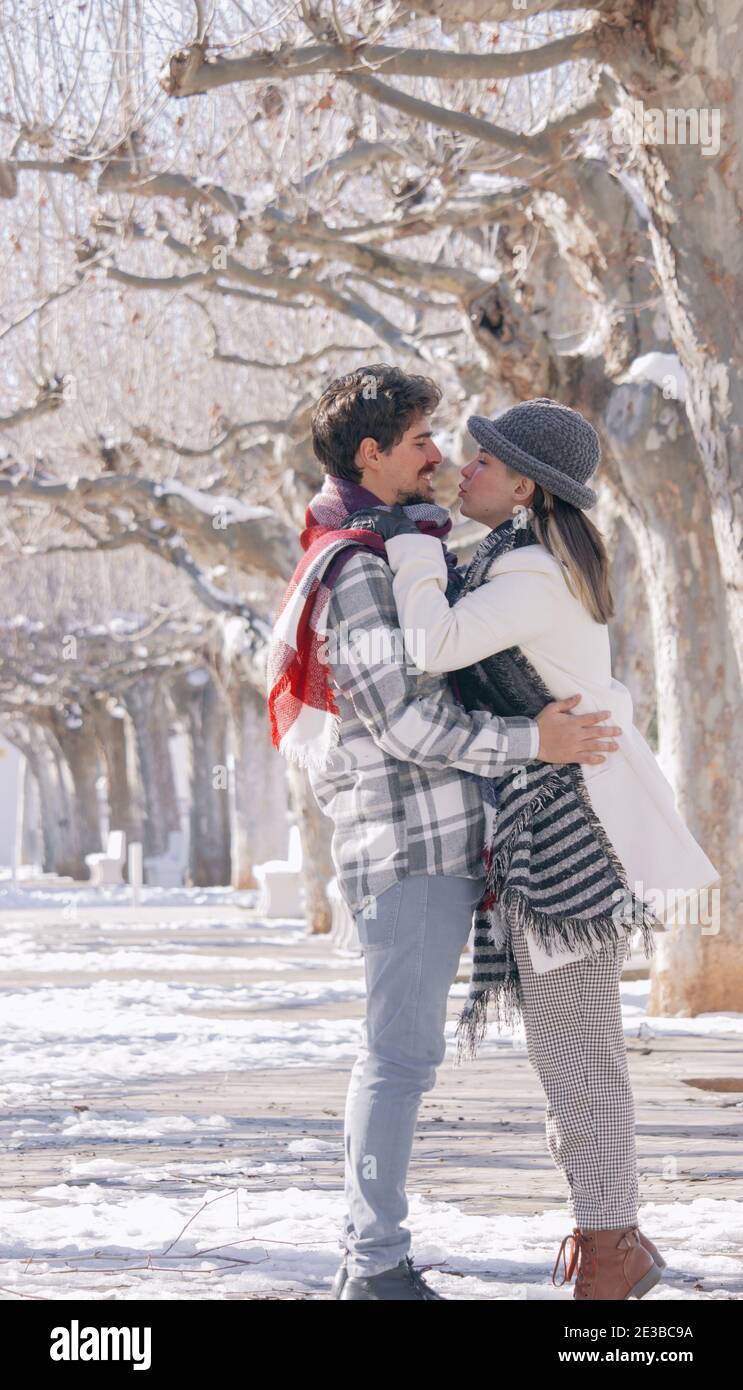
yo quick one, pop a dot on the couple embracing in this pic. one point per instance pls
(473, 779)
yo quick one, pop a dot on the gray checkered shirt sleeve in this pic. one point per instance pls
(370, 667)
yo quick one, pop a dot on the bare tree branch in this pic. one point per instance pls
(183, 77)
(254, 538)
(49, 398)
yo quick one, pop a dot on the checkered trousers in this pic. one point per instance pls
(575, 1042)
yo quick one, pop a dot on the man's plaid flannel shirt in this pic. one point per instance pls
(402, 785)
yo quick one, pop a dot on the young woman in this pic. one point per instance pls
(575, 852)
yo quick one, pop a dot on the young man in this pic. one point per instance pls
(394, 761)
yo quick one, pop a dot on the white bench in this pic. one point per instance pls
(166, 870)
(107, 866)
(280, 882)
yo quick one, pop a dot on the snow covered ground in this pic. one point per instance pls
(96, 1003)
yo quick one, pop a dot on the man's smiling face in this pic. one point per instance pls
(404, 472)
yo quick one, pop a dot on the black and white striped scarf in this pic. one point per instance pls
(550, 866)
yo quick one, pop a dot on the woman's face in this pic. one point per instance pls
(490, 493)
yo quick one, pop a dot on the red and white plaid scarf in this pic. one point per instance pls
(305, 721)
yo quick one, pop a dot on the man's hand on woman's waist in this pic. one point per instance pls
(574, 738)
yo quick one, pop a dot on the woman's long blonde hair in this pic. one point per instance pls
(566, 532)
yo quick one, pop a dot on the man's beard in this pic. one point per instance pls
(407, 499)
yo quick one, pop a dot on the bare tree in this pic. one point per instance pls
(466, 188)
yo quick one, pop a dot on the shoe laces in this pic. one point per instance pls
(417, 1279)
(574, 1245)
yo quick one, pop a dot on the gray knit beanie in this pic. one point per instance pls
(549, 442)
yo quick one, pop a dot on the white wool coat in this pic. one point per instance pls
(526, 602)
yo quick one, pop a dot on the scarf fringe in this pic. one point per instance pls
(648, 920)
(506, 997)
(308, 755)
(505, 993)
(577, 931)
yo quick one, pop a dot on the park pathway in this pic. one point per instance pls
(193, 1014)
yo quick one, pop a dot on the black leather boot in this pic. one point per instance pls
(403, 1283)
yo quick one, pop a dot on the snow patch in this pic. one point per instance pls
(663, 369)
(229, 509)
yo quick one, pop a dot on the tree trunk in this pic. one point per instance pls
(80, 750)
(201, 706)
(699, 695)
(316, 833)
(116, 739)
(61, 846)
(630, 630)
(29, 847)
(689, 59)
(260, 828)
(151, 722)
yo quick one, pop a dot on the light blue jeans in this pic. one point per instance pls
(412, 937)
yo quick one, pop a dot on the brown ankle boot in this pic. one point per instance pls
(654, 1251)
(611, 1264)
